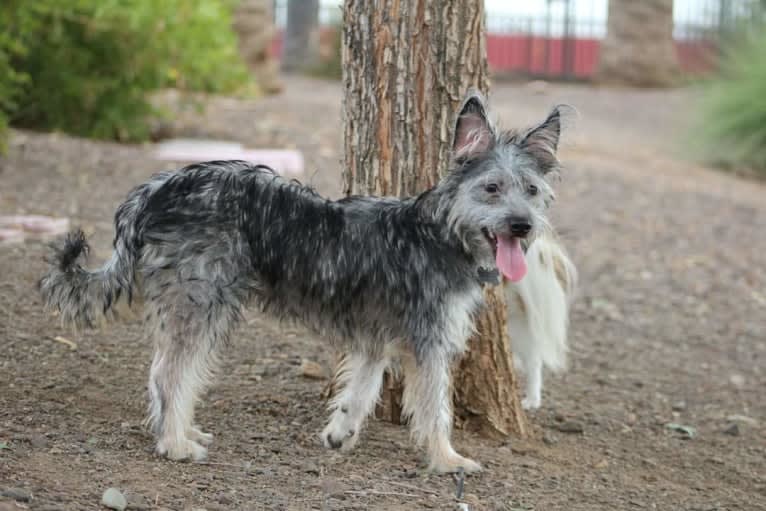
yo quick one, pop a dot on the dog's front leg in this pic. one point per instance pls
(361, 378)
(427, 403)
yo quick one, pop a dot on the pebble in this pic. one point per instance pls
(570, 427)
(17, 494)
(114, 499)
(737, 380)
(732, 429)
(679, 406)
(38, 441)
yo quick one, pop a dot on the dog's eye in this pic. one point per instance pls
(532, 190)
(491, 188)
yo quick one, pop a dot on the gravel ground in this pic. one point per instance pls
(669, 327)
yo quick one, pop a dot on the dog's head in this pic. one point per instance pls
(498, 185)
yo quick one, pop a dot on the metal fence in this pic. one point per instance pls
(561, 39)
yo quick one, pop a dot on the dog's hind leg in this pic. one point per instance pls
(361, 378)
(187, 341)
(427, 401)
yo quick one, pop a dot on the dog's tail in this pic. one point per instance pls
(538, 304)
(83, 297)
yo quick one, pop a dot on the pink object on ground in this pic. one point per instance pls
(15, 228)
(191, 150)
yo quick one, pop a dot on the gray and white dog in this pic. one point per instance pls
(383, 279)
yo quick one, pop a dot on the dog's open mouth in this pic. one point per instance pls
(509, 257)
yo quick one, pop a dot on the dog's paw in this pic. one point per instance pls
(453, 464)
(334, 437)
(182, 450)
(199, 436)
(530, 403)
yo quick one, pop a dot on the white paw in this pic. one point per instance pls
(340, 436)
(530, 403)
(454, 463)
(199, 436)
(182, 450)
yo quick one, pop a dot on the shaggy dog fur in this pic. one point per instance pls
(381, 278)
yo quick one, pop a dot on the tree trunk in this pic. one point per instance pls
(639, 49)
(301, 49)
(406, 66)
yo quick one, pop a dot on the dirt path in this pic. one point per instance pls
(669, 326)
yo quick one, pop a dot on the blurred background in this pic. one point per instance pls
(108, 69)
(661, 204)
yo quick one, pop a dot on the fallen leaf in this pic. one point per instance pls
(311, 369)
(601, 464)
(63, 340)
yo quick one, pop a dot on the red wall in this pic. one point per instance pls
(508, 53)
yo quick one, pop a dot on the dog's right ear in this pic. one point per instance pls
(473, 132)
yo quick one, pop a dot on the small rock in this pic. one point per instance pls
(570, 427)
(601, 464)
(549, 439)
(732, 429)
(737, 380)
(679, 406)
(17, 494)
(225, 499)
(38, 441)
(310, 468)
(114, 499)
(686, 431)
(311, 369)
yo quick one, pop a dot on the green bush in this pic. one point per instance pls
(87, 66)
(732, 128)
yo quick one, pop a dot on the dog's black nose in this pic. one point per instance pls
(520, 226)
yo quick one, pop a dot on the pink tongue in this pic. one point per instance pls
(510, 259)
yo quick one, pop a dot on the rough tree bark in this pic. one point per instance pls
(406, 66)
(301, 48)
(638, 49)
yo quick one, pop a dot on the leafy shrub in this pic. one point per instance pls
(732, 127)
(87, 66)
(11, 48)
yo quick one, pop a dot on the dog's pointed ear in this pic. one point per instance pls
(542, 141)
(473, 132)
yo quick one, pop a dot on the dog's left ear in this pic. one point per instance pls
(542, 141)
(473, 132)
